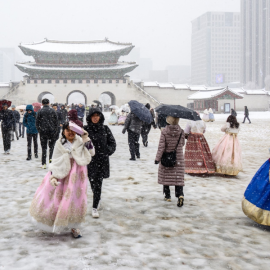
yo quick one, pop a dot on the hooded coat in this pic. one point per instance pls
(73, 116)
(133, 123)
(105, 145)
(171, 176)
(46, 121)
(29, 120)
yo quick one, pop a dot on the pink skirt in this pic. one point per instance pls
(59, 209)
(227, 155)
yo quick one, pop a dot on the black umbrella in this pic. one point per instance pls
(140, 111)
(178, 111)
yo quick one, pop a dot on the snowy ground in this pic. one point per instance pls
(136, 228)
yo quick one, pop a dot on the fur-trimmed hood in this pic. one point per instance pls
(61, 166)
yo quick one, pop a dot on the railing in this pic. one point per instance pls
(11, 90)
(147, 94)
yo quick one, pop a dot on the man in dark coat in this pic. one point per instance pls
(161, 120)
(47, 126)
(29, 121)
(8, 122)
(80, 110)
(105, 145)
(133, 125)
(246, 113)
(147, 127)
(64, 114)
(59, 120)
(233, 112)
(17, 117)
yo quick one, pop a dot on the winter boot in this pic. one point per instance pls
(95, 213)
(28, 158)
(43, 166)
(133, 158)
(36, 155)
(167, 199)
(180, 201)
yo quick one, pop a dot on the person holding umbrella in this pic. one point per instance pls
(8, 122)
(133, 125)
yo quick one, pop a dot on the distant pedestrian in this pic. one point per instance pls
(205, 117)
(147, 127)
(105, 146)
(246, 113)
(7, 125)
(172, 137)
(47, 126)
(133, 125)
(81, 110)
(211, 115)
(29, 121)
(17, 117)
(64, 114)
(161, 121)
(21, 126)
(59, 120)
(233, 113)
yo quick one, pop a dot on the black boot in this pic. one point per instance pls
(180, 201)
(133, 158)
(36, 155)
(29, 158)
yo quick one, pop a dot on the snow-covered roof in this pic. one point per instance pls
(150, 84)
(4, 84)
(255, 92)
(78, 47)
(165, 85)
(211, 94)
(181, 86)
(32, 66)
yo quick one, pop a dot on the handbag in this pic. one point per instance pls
(168, 159)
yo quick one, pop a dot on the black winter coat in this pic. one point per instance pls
(104, 143)
(64, 115)
(8, 120)
(17, 116)
(246, 111)
(233, 112)
(162, 121)
(47, 121)
(133, 123)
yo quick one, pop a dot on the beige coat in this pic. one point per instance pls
(173, 176)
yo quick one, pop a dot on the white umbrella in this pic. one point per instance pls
(114, 107)
(21, 107)
(125, 108)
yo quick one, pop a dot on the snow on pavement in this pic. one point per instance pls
(136, 228)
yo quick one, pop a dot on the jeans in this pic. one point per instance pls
(246, 117)
(96, 186)
(178, 191)
(6, 135)
(44, 141)
(29, 143)
(16, 130)
(21, 129)
(134, 146)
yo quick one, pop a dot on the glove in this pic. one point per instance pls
(123, 131)
(156, 162)
(85, 137)
(54, 182)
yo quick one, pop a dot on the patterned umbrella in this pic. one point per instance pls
(4, 101)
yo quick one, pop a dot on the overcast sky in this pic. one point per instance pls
(160, 28)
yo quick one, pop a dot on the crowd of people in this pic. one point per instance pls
(76, 155)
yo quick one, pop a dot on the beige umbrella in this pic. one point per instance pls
(21, 107)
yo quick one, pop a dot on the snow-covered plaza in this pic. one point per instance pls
(137, 229)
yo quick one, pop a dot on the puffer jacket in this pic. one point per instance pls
(29, 120)
(171, 176)
(80, 111)
(133, 123)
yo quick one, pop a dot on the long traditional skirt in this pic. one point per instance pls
(113, 119)
(256, 201)
(198, 158)
(122, 120)
(205, 117)
(59, 209)
(211, 117)
(227, 155)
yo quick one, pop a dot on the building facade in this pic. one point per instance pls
(215, 51)
(255, 38)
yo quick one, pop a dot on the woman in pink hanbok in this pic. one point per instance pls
(227, 154)
(60, 202)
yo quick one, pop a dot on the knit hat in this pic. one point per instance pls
(172, 120)
(13, 106)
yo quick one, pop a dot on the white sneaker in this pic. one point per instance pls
(43, 166)
(95, 213)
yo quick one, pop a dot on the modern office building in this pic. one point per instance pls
(215, 52)
(255, 43)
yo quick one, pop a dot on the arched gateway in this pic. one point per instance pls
(69, 96)
(59, 64)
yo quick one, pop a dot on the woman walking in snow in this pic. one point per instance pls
(105, 146)
(205, 117)
(198, 158)
(113, 120)
(170, 136)
(211, 115)
(227, 153)
(60, 202)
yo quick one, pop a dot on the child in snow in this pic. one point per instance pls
(60, 202)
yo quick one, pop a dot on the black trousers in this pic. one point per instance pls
(44, 141)
(134, 146)
(178, 191)
(81, 119)
(6, 134)
(29, 143)
(21, 129)
(96, 186)
(246, 117)
(145, 132)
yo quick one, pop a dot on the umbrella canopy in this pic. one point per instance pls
(125, 108)
(178, 111)
(21, 107)
(140, 111)
(37, 104)
(114, 107)
(4, 101)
